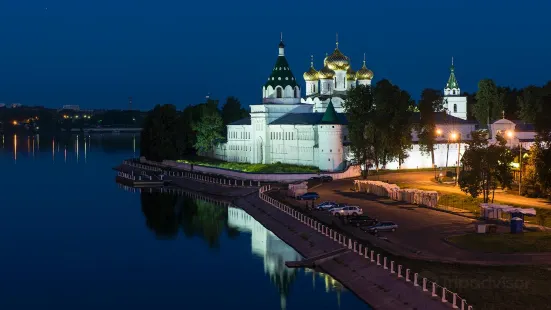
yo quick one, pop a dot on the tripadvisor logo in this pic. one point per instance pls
(454, 283)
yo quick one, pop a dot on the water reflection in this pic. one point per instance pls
(71, 147)
(169, 214)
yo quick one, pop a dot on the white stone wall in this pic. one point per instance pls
(292, 144)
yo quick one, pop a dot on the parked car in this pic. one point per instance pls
(325, 204)
(334, 207)
(309, 196)
(347, 211)
(322, 178)
(383, 226)
(362, 220)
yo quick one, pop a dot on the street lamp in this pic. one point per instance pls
(438, 131)
(455, 136)
(510, 134)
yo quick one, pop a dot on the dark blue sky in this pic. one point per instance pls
(97, 53)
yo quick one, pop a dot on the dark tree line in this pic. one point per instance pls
(171, 134)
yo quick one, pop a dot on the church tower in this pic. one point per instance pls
(312, 79)
(281, 87)
(330, 144)
(364, 75)
(455, 104)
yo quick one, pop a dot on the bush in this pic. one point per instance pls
(450, 174)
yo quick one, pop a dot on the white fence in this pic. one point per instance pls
(425, 285)
(194, 176)
(393, 191)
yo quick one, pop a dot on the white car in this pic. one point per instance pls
(347, 211)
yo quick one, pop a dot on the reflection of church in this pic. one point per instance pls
(269, 247)
(275, 253)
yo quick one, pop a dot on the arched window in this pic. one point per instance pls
(279, 92)
(296, 92)
(454, 91)
(455, 108)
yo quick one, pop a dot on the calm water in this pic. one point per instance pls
(71, 238)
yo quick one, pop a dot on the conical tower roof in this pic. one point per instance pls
(452, 81)
(330, 116)
(281, 73)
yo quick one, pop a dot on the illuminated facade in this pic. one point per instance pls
(312, 131)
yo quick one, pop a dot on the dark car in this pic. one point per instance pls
(361, 220)
(383, 226)
(309, 196)
(323, 178)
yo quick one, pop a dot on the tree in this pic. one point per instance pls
(232, 111)
(391, 123)
(160, 137)
(485, 167)
(209, 132)
(489, 102)
(379, 123)
(431, 101)
(359, 107)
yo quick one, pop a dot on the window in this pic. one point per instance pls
(279, 92)
(454, 91)
(296, 92)
(454, 106)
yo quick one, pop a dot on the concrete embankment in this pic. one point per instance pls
(368, 281)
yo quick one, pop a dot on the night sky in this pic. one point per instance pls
(96, 53)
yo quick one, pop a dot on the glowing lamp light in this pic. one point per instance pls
(14, 123)
(509, 133)
(438, 131)
(453, 135)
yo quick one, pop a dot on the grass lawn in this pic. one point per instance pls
(528, 242)
(246, 167)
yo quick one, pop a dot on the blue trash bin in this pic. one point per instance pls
(517, 225)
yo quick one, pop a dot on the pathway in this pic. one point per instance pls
(422, 180)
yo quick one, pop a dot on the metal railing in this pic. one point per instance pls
(423, 284)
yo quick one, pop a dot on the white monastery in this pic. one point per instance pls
(312, 131)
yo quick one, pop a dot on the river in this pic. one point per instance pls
(71, 238)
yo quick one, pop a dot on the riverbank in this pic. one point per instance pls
(373, 284)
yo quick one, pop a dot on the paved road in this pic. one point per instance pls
(422, 180)
(421, 230)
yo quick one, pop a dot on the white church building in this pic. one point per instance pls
(312, 131)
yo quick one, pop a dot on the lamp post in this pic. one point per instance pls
(510, 134)
(438, 135)
(455, 136)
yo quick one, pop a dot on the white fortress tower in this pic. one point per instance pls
(453, 101)
(281, 87)
(330, 132)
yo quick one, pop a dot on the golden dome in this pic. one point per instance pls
(350, 74)
(326, 73)
(337, 60)
(364, 73)
(312, 74)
